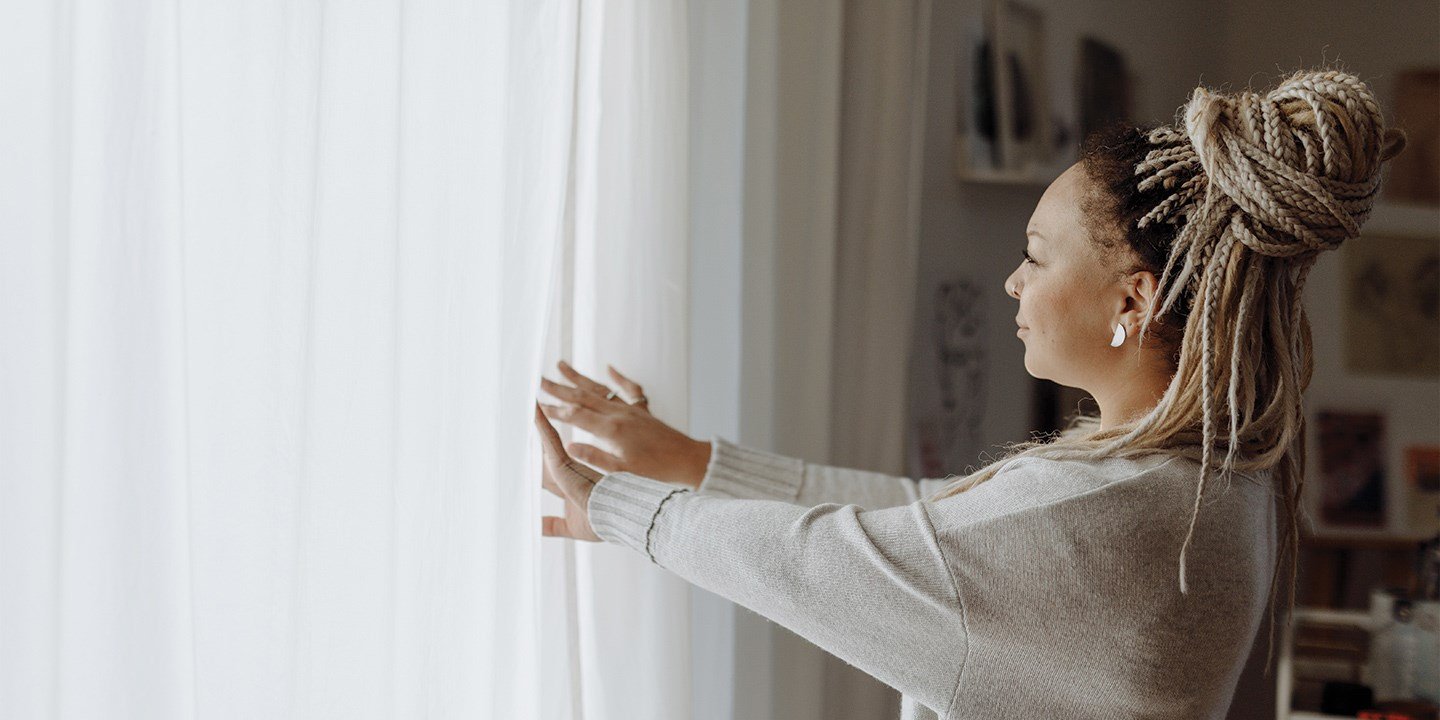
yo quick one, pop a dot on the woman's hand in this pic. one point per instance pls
(570, 480)
(643, 445)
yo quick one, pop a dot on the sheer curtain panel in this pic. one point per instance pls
(277, 284)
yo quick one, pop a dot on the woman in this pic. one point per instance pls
(1121, 569)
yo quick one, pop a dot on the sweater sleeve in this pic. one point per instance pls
(868, 586)
(737, 471)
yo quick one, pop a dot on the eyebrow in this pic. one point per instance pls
(1035, 233)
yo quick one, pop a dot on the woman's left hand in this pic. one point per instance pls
(569, 479)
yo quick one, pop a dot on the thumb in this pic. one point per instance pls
(594, 457)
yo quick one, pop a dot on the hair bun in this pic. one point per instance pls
(1300, 163)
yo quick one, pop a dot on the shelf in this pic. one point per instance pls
(1373, 540)
(1039, 177)
(1285, 679)
(1329, 616)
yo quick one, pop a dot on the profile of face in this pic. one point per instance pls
(1070, 296)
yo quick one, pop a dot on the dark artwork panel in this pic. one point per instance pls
(1105, 87)
(1352, 469)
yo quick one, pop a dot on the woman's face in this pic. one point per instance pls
(1068, 297)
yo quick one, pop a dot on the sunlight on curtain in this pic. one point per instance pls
(275, 296)
(628, 303)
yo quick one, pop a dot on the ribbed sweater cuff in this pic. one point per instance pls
(624, 507)
(737, 471)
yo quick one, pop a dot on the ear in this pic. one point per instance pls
(1141, 292)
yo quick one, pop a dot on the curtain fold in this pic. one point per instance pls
(629, 303)
(886, 53)
(278, 283)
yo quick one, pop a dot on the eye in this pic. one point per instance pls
(1026, 254)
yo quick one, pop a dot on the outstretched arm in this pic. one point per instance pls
(869, 586)
(738, 471)
(639, 443)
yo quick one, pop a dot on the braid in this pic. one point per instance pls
(1207, 360)
(1283, 175)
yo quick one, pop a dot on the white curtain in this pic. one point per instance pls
(623, 300)
(277, 283)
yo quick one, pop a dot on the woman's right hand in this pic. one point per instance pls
(642, 444)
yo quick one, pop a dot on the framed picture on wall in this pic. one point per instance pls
(1351, 447)
(977, 144)
(1415, 173)
(946, 432)
(1106, 89)
(1392, 305)
(1422, 488)
(1006, 126)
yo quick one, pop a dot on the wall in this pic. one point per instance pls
(721, 642)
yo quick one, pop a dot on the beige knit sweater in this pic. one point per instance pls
(1048, 591)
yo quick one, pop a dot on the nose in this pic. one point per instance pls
(1012, 286)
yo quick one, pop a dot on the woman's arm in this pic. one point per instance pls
(641, 444)
(868, 586)
(737, 471)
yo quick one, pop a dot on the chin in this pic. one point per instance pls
(1028, 370)
(1030, 367)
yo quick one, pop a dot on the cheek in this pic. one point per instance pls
(1056, 316)
(1044, 309)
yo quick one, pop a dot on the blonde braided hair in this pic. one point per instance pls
(1236, 200)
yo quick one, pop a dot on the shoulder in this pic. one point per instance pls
(1158, 465)
(1052, 477)
(1035, 483)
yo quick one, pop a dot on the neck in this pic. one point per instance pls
(1135, 392)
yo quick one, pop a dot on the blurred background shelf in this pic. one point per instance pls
(1285, 678)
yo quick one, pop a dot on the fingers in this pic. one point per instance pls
(584, 398)
(581, 381)
(573, 479)
(549, 438)
(594, 457)
(551, 526)
(590, 394)
(583, 418)
(631, 388)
